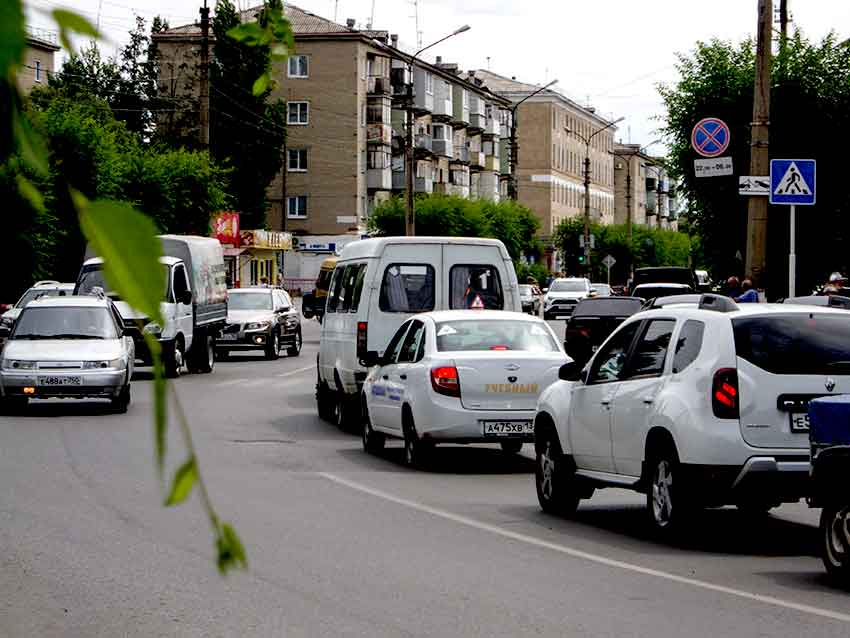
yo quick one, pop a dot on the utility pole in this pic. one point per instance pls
(205, 77)
(587, 208)
(658, 191)
(759, 156)
(783, 23)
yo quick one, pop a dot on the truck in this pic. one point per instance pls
(194, 305)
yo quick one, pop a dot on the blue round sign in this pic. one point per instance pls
(710, 137)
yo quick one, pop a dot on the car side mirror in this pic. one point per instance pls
(308, 303)
(370, 359)
(570, 371)
(544, 290)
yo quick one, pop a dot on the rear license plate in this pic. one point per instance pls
(799, 422)
(60, 381)
(507, 428)
(228, 336)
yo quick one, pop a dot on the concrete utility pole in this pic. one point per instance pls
(205, 76)
(513, 184)
(409, 158)
(759, 156)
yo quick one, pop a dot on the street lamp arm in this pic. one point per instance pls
(465, 27)
(607, 126)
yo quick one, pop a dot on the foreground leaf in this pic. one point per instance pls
(184, 481)
(69, 21)
(12, 36)
(29, 192)
(250, 34)
(262, 83)
(231, 553)
(159, 405)
(32, 146)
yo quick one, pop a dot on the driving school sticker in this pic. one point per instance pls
(511, 388)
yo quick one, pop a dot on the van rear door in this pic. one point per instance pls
(476, 276)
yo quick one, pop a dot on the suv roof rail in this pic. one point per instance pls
(45, 282)
(718, 303)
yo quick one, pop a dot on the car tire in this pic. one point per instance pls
(554, 475)
(222, 355)
(295, 349)
(273, 346)
(548, 316)
(416, 451)
(325, 402)
(373, 442)
(511, 447)
(173, 360)
(122, 401)
(666, 501)
(13, 405)
(835, 543)
(205, 356)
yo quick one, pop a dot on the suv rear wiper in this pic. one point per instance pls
(67, 336)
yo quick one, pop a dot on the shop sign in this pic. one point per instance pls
(226, 228)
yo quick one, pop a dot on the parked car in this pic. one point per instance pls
(653, 291)
(260, 319)
(380, 283)
(693, 406)
(464, 376)
(593, 320)
(69, 347)
(600, 290)
(194, 303)
(529, 295)
(563, 295)
(39, 289)
(313, 303)
(664, 275)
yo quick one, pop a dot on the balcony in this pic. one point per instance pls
(398, 182)
(460, 107)
(423, 142)
(378, 85)
(423, 185)
(443, 148)
(442, 188)
(379, 134)
(476, 159)
(461, 190)
(443, 109)
(492, 163)
(493, 127)
(380, 179)
(476, 121)
(461, 154)
(400, 84)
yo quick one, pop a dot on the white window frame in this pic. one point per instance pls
(465, 98)
(294, 58)
(37, 70)
(299, 154)
(429, 83)
(289, 113)
(296, 199)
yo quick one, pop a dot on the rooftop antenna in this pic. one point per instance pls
(488, 62)
(416, 23)
(372, 16)
(336, 9)
(99, 7)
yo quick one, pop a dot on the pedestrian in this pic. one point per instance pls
(750, 294)
(264, 282)
(839, 282)
(733, 287)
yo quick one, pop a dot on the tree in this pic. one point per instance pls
(809, 97)
(247, 132)
(86, 74)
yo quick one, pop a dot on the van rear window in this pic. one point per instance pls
(407, 288)
(475, 286)
(795, 344)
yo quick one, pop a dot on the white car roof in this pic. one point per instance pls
(660, 285)
(168, 261)
(70, 301)
(245, 289)
(374, 247)
(690, 311)
(490, 315)
(573, 279)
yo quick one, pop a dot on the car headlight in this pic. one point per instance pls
(153, 328)
(257, 325)
(16, 364)
(112, 363)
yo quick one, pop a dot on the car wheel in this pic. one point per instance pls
(373, 442)
(555, 477)
(13, 405)
(122, 401)
(416, 451)
(222, 355)
(173, 360)
(511, 447)
(273, 346)
(206, 356)
(835, 542)
(295, 349)
(665, 502)
(325, 402)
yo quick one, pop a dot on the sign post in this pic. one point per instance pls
(792, 182)
(609, 261)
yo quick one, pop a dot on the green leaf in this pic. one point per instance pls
(159, 398)
(12, 36)
(33, 149)
(70, 21)
(250, 34)
(231, 553)
(262, 83)
(126, 240)
(184, 480)
(29, 192)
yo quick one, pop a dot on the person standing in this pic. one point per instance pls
(733, 287)
(749, 295)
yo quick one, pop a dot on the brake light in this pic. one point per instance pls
(498, 347)
(725, 400)
(445, 381)
(362, 328)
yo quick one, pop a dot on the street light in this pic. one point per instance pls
(587, 140)
(410, 226)
(514, 183)
(628, 158)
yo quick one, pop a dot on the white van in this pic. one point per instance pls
(379, 283)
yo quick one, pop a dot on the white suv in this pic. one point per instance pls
(694, 406)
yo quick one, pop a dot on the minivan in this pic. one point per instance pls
(379, 283)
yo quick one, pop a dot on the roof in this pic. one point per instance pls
(489, 315)
(374, 247)
(248, 289)
(40, 43)
(70, 301)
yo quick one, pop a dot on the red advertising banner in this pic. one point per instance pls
(226, 228)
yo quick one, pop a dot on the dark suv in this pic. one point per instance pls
(593, 320)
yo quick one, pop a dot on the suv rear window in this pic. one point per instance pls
(795, 344)
(607, 307)
(475, 286)
(407, 288)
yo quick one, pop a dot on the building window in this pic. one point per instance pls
(297, 160)
(298, 66)
(379, 158)
(465, 99)
(38, 70)
(298, 113)
(429, 84)
(296, 207)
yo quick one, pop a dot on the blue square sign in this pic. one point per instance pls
(792, 181)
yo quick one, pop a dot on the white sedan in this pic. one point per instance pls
(463, 376)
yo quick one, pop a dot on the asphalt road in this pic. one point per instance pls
(341, 543)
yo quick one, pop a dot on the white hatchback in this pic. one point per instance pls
(465, 376)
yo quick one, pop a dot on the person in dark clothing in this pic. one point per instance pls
(733, 287)
(749, 295)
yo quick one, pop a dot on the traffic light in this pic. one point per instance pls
(581, 259)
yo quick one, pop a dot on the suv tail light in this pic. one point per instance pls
(445, 381)
(725, 401)
(362, 328)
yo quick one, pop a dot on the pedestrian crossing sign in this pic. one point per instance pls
(792, 182)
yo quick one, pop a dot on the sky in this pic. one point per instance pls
(607, 53)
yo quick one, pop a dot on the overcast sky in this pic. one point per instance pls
(611, 53)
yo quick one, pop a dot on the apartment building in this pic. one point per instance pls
(551, 152)
(39, 59)
(653, 200)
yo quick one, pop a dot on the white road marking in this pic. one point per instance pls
(263, 380)
(595, 558)
(292, 373)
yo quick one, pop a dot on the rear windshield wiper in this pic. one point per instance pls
(67, 336)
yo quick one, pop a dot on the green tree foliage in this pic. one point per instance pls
(452, 216)
(809, 111)
(650, 247)
(247, 131)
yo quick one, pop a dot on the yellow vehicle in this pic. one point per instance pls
(313, 304)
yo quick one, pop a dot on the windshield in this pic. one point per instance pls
(65, 323)
(651, 292)
(34, 293)
(92, 277)
(249, 301)
(454, 336)
(568, 286)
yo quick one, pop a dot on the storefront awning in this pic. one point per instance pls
(233, 252)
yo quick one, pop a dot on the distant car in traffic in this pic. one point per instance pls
(563, 295)
(39, 289)
(600, 290)
(690, 299)
(467, 376)
(593, 320)
(529, 295)
(652, 291)
(665, 275)
(260, 319)
(69, 347)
